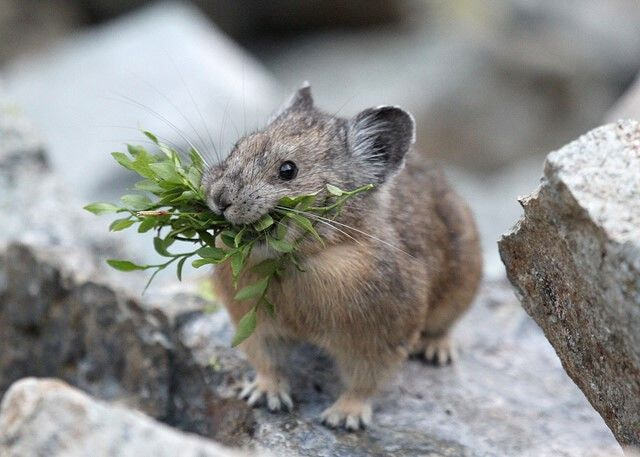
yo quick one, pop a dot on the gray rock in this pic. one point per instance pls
(575, 260)
(507, 396)
(47, 417)
(54, 323)
(60, 319)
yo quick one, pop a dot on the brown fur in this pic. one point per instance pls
(368, 303)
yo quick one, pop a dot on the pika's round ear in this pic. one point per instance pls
(379, 138)
(298, 101)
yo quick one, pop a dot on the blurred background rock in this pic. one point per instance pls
(493, 85)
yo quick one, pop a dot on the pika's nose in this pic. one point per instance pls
(222, 201)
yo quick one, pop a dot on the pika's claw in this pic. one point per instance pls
(353, 415)
(440, 351)
(276, 394)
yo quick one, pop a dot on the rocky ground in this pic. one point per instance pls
(167, 355)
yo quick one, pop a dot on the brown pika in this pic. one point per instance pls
(400, 264)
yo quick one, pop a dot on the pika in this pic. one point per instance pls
(399, 265)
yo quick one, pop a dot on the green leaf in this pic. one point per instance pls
(238, 238)
(147, 224)
(281, 230)
(161, 245)
(245, 327)
(123, 160)
(121, 224)
(291, 202)
(279, 245)
(166, 171)
(306, 202)
(149, 186)
(305, 224)
(201, 262)
(187, 195)
(207, 238)
(270, 307)
(136, 201)
(228, 237)
(254, 290)
(179, 268)
(237, 262)
(151, 136)
(194, 175)
(99, 208)
(333, 190)
(211, 252)
(125, 265)
(196, 159)
(136, 151)
(267, 267)
(263, 223)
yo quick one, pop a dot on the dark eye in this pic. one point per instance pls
(288, 170)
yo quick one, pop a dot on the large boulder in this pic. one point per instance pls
(48, 417)
(574, 259)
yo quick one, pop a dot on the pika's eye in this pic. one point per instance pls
(288, 170)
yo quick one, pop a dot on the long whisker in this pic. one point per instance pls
(175, 107)
(307, 214)
(157, 115)
(196, 105)
(163, 139)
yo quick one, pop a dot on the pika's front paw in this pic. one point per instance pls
(351, 414)
(276, 393)
(439, 351)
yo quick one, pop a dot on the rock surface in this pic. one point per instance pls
(507, 396)
(575, 260)
(47, 417)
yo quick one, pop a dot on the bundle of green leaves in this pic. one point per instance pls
(171, 202)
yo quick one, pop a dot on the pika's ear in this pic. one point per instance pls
(380, 137)
(299, 101)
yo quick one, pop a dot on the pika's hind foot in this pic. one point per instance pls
(352, 414)
(275, 392)
(438, 351)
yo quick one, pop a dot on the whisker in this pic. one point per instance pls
(305, 213)
(141, 140)
(175, 107)
(196, 106)
(156, 114)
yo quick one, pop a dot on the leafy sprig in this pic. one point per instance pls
(170, 201)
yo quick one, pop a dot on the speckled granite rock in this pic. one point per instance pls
(48, 418)
(575, 260)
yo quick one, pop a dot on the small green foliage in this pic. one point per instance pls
(101, 208)
(171, 201)
(245, 327)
